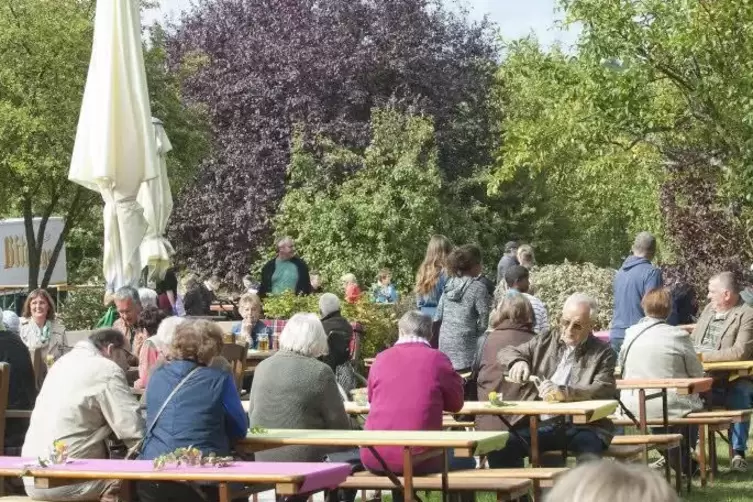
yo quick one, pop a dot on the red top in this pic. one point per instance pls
(410, 386)
(352, 292)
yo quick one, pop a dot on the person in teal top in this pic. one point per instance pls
(285, 272)
(285, 276)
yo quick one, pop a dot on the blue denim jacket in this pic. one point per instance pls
(206, 412)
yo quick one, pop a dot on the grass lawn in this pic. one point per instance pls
(727, 486)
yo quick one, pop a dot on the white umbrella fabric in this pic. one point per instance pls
(157, 200)
(115, 149)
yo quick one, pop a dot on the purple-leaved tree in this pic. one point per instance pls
(261, 67)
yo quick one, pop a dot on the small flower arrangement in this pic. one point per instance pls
(58, 455)
(258, 430)
(191, 457)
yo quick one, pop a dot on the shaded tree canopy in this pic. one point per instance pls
(260, 67)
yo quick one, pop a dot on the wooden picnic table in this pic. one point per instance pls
(254, 357)
(682, 386)
(735, 368)
(216, 307)
(581, 412)
(288, 478)
(464, 443)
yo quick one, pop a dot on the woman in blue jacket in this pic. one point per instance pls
(204, 412)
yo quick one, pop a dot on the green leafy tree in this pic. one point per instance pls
(379, 215)
(44, 54)
(599, 189)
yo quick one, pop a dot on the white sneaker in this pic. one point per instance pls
(738, 464)
(659, 464)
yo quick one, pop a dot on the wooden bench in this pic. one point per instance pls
(735, 416)
(546, 476)
(505, 488)
(711, 423)
(654, 441)
(628, 448)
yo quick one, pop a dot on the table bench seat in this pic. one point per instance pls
(658, 441)
(735, 416)
(658, 422)
(546, 475)
(505, 488)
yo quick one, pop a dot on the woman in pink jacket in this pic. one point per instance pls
(410, 386)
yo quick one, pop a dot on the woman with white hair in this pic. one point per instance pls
(11, 321)
(154, 350)
(148, 297)
(613, 481)
(294, 390)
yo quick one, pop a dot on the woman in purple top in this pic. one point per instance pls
(410, 386)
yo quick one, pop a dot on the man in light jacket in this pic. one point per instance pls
(84, 400)
(725, 333)
(636, 277)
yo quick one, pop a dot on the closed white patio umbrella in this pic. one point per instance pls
(157, 200)
(115, 150)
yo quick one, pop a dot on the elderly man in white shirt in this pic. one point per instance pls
(84, 400)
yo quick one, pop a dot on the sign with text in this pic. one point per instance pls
(14, 252)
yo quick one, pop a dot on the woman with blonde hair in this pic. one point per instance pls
(191, 403)
(526, 257)
(39, 326)
(250, 327)
(432, 274)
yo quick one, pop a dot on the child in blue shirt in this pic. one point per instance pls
(384, 291)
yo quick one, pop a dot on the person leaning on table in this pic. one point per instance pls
(410, 386)
(512, 325)
(205, 412)
(655, 350)
(724, 332)
(293, 389)
(574, 366)
(84, 400)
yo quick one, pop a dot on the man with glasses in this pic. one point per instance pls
(569, 364)
(84, 400)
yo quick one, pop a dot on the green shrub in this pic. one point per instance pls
(554, 283)
(82, 309)
(379, 321)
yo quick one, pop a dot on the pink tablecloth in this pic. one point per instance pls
(316, 476)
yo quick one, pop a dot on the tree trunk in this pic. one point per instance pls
(34, 255)
(71, 216)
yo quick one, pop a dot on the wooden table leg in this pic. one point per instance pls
(407, 474)
(534, 454)
(678, 473)
(642, 420)
(713, 461)
(224, 492)
(445, 470)
(702, 438)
